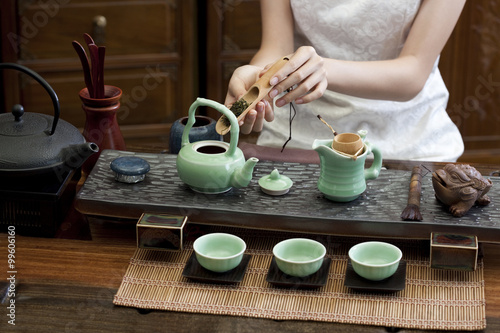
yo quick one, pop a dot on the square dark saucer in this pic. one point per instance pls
(193, 270)
(393, 283)
(316, 280)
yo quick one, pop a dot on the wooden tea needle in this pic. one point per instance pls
(324, 122)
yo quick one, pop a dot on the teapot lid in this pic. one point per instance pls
(275, 184)
(21, 124)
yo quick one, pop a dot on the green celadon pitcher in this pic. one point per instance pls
(343, 178)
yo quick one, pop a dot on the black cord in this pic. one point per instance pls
(290, 128)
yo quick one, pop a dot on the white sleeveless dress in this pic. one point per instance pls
(364, 30)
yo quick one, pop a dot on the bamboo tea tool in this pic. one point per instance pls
(257, 92)
(348, 143)
(348, 148)
(412, 210)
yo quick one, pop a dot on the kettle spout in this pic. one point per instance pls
(241, 177)
(75, 155)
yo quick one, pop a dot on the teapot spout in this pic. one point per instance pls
(75, 155)
(242, 176)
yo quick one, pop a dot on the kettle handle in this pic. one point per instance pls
(235, 129)
(39, 79)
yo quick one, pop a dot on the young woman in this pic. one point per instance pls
(360, 64)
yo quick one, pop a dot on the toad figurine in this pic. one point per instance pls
(460, 186)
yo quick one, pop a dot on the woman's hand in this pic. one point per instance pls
(243, 78)
(305, 72)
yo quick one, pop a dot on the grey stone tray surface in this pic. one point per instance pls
(376, 213)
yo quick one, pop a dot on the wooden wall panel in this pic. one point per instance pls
(233, 36)
(150, 55)
(150, 95)
(131, 27)
(470, 65)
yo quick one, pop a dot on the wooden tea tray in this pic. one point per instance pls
(375, 213)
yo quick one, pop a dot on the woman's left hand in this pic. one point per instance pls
(305, 73)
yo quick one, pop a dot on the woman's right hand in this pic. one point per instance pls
(241, 80)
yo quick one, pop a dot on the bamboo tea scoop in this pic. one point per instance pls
(257, 92)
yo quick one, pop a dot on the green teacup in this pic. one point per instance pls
(219, 252)
(299, 256)
(375, 260)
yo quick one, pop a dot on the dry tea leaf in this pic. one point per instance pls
(237, 108)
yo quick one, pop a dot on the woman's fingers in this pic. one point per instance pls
(259, 117)
(254, 119)
(305, 72)
(314, 94)
(246, 124)
(309, 89)
(268, 111)
(243, 77)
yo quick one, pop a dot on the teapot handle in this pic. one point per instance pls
(235, 129)
(374, 170)
(48, 88)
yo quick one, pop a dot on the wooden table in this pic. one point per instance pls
(67, 284)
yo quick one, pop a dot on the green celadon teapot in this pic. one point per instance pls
(212, 166)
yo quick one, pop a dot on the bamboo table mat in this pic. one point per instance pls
(432, 298)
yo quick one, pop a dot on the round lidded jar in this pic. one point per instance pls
(130, 169)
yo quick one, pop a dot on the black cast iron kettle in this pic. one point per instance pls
(35, 143)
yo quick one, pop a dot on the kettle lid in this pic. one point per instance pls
(23, 124)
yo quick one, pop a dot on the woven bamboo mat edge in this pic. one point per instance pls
(154, 280)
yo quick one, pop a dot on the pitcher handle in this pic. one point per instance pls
(235, 128)
(373, 171)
